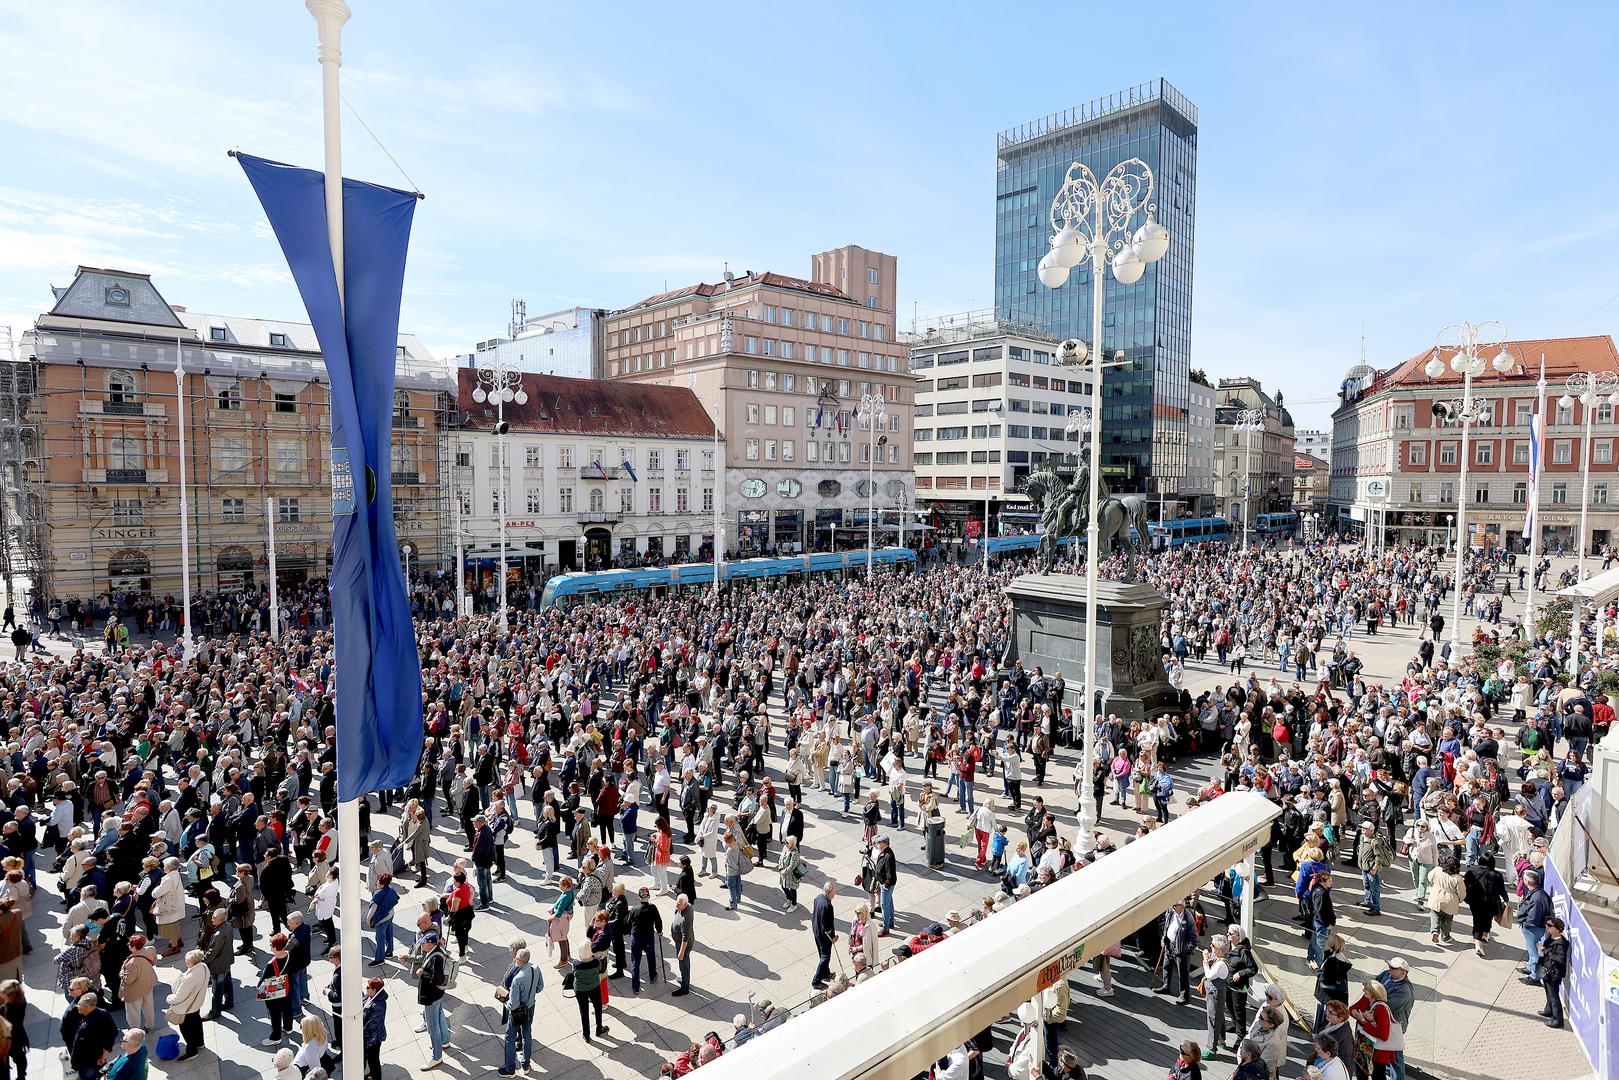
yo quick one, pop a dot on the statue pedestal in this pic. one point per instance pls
(1048, 630)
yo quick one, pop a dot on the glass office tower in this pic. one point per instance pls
(1145, 405)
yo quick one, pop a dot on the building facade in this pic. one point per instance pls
(1196, 494)
(1310, 476)
(1396, 463)
(783, 363)
(257, 444)
(1257, 463)
(1316, 443)
(566, 343)
(992, 403)
(589, 476)
(1147, 402)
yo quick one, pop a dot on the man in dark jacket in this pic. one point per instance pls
(823, 928)
(431, 977)
(1318, 904)
(645, 926)
(1180, 938)
(886, 867)
(483, 859)
(1553, 967)
(1533, 911)
(89, 1032)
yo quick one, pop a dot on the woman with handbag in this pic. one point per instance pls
(1380, 1037)
(274, 986)
(556, 933)
(186, 1001)
(1486, 894)
(518, 993)
(585, 981)
(458, 908)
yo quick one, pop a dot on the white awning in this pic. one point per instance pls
(1597, 589)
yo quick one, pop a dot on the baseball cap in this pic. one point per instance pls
(1398, 962)
(644, 893)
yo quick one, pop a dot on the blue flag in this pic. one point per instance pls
(379, 672)
(630, 469)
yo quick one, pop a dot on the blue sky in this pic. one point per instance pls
(1399, 167)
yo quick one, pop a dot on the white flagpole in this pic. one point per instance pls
(330, 15)
(185, 513)
(1534, 508)
(460, 557)
(275, 594)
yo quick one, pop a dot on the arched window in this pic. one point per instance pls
(401, 409)
(121, 388)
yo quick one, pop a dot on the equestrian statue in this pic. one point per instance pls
(1065, 511)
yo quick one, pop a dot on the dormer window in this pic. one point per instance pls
(400, 353)
(116, 296)
(278, 341)
(217, 333)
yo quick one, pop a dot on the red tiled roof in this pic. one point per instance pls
(1564, 357)
(592, 407)
(779, 281)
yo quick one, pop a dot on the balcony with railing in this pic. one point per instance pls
(121, 408)
(126, 476)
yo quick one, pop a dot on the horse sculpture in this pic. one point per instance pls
(1065, 511)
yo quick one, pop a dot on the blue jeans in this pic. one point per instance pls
(629, 847)
(516, 1033)
(438, 1027)
(298, 991)
(708, 861)
(733, 885)
(970, 802)
(887, 899)
(1397, 1067)
(1317, 948)
(1532, 937)
(832, 780)
(1372, 886)
(224, 993)
(486, 885)
(385, 942)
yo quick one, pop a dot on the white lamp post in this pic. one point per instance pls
(1248, 422)
(873, 414)
(408, 551)
(1467, 342)
(500, 383)
(1091, 219)
(1592, 388)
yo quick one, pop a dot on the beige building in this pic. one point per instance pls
(1258, 463)
(782, 363)
(106, 479)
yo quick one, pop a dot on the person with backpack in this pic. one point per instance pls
(432, 979)
(519, 990)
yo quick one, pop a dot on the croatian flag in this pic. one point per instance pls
(597, 465)
(625, 463)
(1537, 431)
(379, 700)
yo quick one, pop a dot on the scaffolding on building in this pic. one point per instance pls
(24, 548)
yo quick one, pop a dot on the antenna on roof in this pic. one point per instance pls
(519, 316)
(1362, 343)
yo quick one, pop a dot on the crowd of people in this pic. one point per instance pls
(183, 810)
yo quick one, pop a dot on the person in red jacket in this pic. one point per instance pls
(1380, 1039)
